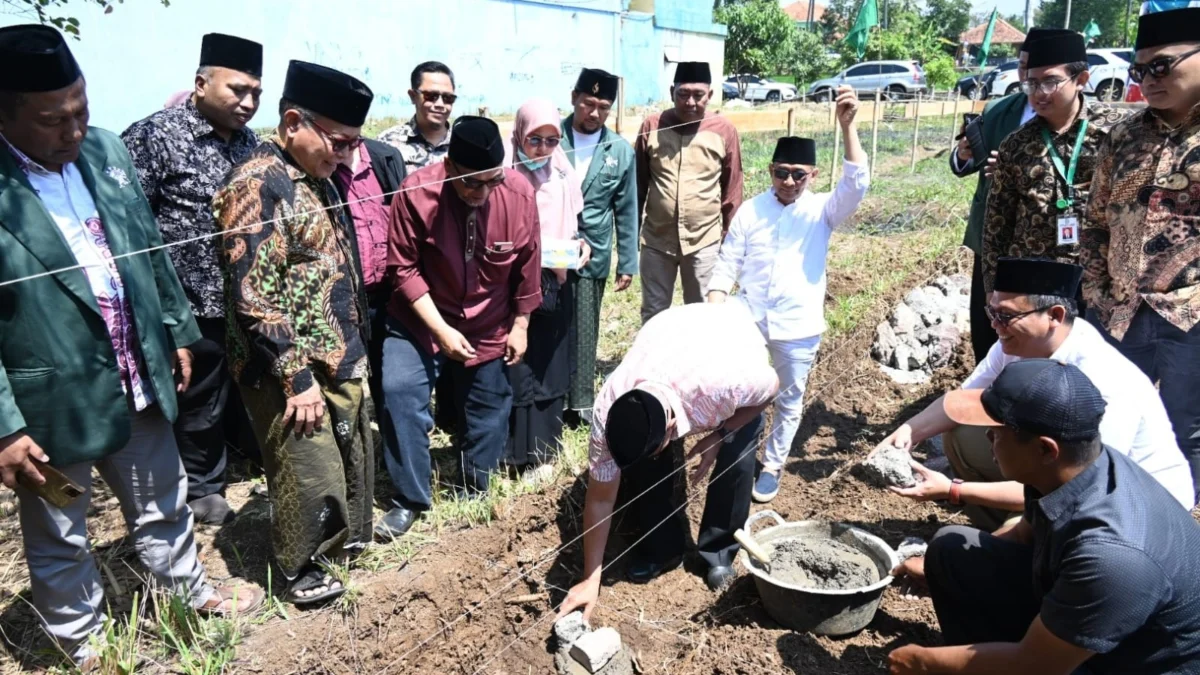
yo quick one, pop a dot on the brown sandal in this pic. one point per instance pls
(242, 600)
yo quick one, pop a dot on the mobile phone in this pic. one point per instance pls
(968, 118)
(58, 489)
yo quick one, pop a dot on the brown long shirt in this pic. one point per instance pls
(689, 181)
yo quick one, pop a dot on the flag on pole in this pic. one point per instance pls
(986, 47)
(868, 16)
(1091, 32)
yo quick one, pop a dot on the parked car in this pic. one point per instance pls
(969, 86)
(771, 92)
(729, 91)
(1109, 70)
(897, 79)
(1004, 81)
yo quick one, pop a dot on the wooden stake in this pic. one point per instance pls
(875, 115)
(833, 164)
(916, 134)
(620, 105)
(791, 128)
(954, 125)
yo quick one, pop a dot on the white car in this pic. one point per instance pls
(771, 92)
(1109, 75)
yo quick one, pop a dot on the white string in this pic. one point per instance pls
(222, 233)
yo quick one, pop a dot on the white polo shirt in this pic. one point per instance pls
(1135, 422)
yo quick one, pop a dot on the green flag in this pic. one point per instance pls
(1092, 31)
(986, 46)
(868, 16)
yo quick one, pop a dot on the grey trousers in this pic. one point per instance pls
(148, 480)
(659, 269)
(970, 455)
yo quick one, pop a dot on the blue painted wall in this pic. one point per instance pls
(503, 52)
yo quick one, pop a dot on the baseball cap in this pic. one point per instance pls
(1038, 396)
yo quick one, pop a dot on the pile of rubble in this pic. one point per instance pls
(925, 329)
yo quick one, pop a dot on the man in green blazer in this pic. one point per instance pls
(1000, 118)
(605, 164)
(93, 345)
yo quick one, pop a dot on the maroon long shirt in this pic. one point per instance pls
(479, 296)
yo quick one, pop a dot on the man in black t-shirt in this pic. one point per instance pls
(1115, 582)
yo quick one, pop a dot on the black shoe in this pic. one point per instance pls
(643, 571)
(719, 577)
(395, 523)
(212, 510)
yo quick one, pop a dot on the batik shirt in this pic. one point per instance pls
(418, 153)
(67, 199)
(1141, 242)
(1022, 212)
(181, 162)
(292, 278)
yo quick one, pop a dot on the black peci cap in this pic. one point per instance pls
(328, 92)
(36, 59)
(1034, 276)
(229, 51)
(598, 83)
(636, 427)
(693, 71)
(795, 150)
(475, 143)
(1167, 28)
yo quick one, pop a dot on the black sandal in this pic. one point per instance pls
(314, 577)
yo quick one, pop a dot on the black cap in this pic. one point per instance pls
(229, 51)
(1036, 34)
(1167, 28)
(598, 83)
(795, 150)
(636, 427)
(1035, 276)
(475, 143)
(692, 71)
(1054, 49)
(36, 58)
(1038, 396)
(328, 92)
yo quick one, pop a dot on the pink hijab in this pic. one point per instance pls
(559, 198)
(178, 98)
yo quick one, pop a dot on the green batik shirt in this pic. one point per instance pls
(293, 286)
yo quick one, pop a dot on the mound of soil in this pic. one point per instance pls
(824, 564)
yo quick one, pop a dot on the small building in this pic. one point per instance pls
(806, 13)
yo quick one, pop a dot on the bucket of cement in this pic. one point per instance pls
(824, 578)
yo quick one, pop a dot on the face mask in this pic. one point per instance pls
(533, 164)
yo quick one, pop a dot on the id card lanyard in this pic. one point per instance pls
(1067, 172)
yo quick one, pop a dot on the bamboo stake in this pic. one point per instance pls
(875, 114)
(833, 163)
(791, 123)
(953, 126)
(620, 105)
(916, 134)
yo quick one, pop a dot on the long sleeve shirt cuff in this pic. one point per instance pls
(720, 283)
(297, 383)
(527, 303)
(957, 165)
(186, 333)
(413, 288)
(858, 175)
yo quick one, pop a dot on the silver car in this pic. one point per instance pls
(896, 79)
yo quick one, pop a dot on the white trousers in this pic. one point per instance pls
(792, 360)
(148, 480)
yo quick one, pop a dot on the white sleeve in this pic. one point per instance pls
(732, 255)
(988, 370)
(847, 194)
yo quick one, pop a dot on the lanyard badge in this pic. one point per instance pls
(1068, 172)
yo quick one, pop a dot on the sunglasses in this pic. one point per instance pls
(539, 141)
(433, 96)
(1004, 318)
(338, 144)
(798, 175)
(1159, 68)
(475, 183)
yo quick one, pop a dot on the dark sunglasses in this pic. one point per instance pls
(338, 144)
(475, 183)
(1004, 318)
(1159, 68)
(798, 175)
(433, 96)
(538, 141)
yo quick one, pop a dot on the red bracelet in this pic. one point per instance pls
(956, 491)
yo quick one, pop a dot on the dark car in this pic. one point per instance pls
(968, 86)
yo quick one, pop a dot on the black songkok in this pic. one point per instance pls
(36, 59)
(1056, 50)
(1030, 276)
(475, 143)
(328, 92)
(598, 83)
(636, 427)
(795, 150)
(1167, 28)
(228, 51)
(688, 72)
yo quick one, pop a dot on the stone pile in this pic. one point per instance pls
(925, 330)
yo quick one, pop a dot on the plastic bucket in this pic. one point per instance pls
(823, 612)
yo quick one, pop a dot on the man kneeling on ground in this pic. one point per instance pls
(1115, 583)
(1033, 310)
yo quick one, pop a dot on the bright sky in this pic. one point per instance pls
(1006, 6)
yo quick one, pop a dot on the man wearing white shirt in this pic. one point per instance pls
(1033, 310)
(775, 251)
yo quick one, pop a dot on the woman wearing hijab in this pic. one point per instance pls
(541, 380)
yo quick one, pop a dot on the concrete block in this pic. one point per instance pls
(596, 649)
(569, 629)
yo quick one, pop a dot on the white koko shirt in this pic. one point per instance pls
(776, 254)
(1135, 423)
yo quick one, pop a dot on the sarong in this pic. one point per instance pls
(589, 294)
(321, 488)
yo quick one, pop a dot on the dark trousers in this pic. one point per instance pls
(982, 586)
(482, 400)
(983, 336)
(377, 315)
(210, 414)
(1171, 359)
(726, 505)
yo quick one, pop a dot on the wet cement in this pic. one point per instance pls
(823, 564)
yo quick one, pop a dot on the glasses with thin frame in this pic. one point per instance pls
(337, 143)
(1044, 86)
(1006, 319)
(1159, 68)
(433, 96)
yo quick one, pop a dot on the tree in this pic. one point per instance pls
(951, 17)
(1108, 14)
(835, 22)
(807, 58)
(761, 35)
(51, 11)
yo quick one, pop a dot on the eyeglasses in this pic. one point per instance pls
(1159, 68)
(336, 143)
(1044, 86)
(538, 141)
(798, 175)
(433, 96)
(475, 183)
(1004, 318)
